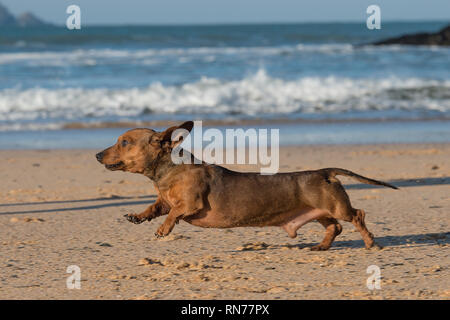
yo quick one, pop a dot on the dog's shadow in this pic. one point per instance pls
(404, 183)
(409, 240)
(105, 202)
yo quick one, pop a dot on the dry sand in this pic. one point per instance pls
(61, 208)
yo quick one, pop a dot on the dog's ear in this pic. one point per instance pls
(175, 135)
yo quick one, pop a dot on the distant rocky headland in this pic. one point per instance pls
(26, 19)
(440, 38)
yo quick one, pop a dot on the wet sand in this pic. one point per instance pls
(60, 208)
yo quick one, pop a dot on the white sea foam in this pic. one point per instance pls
(252, 95)
(102, 56)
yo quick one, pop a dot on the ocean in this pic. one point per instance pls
(51, 78)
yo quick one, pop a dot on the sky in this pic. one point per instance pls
(230, 11)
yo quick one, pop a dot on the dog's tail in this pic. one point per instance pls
(332, 172)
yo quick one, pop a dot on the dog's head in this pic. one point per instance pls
(137, 149)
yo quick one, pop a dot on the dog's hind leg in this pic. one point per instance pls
(338, 204)
(344, 211)
(360, 225)
(301, 218)
(333, 228)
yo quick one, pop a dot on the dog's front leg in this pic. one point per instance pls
(185, 201)
(159, 208)
(169, 223)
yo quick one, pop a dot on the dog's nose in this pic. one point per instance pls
(99, 156)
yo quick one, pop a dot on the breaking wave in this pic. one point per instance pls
(253, 95)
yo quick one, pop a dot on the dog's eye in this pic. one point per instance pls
(124, 143)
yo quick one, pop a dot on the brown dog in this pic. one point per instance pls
(211, 196)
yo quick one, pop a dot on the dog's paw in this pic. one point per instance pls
(375, 246)
(161, 232)
(157, 235)
(319, 248)
(134, 219)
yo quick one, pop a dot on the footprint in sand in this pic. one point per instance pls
(26, 219)
(253, 246)
(172, 237)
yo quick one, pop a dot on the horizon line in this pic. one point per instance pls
(176, 24)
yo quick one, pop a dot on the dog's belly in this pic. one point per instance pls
(210, 219)
(301, 218)
(251, 200)
(290, 221)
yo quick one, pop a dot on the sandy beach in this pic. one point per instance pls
(60, 208)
